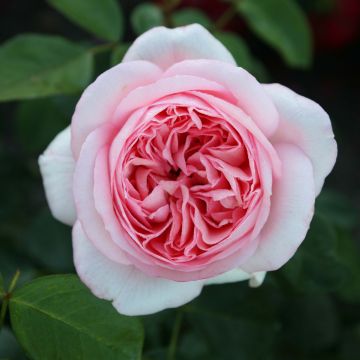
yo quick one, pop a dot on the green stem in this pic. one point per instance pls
(175, 336)
(7, 296)
(168, 6)
(102, 48)
(3, 310)
(226, 17)
(13, 282)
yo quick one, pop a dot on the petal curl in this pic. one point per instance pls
(248, 92)
(130, 290)
(84, 197)
(99, 100)
(306, 124)
(126, 116)
(235, 275)
(292, 208)
(165, 47)
(57, 170)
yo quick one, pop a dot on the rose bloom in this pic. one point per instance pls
(180, 170)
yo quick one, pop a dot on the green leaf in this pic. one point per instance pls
(241, 53)
(187, 16)
(283, 25)
(102, 18)
(40, 65)
(56, 317)
(146, 16)
(118, 53)
(238, 48)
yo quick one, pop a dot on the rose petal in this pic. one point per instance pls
(146, 95)
(57, 170)
(84, 197)
(235, 275)
(100, 99)
(236, 116)
(131, 291)
(292, 206)
(305, 124)
(257, 279)
(165, 47)
(250, 95)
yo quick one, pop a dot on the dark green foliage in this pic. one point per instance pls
(145, 17)
(283, 25)
(102, 18)
(56, 317)
(40, 65)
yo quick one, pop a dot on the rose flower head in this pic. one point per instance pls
(180, 170)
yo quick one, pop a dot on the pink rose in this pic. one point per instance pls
(181, 170)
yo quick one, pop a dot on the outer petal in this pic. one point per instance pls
(292, 207)
(305, 123)
(165, 47)
(130, 290)
(100, 99)
(248, 92)
(84, 198)
(57, 169)
(255, 279)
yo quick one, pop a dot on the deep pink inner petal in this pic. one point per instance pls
(186, 180)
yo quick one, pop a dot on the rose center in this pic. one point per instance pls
(189, 180)
(174, 173)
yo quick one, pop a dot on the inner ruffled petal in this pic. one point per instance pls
(186, 180)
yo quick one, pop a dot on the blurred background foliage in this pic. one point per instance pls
(50, 50)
